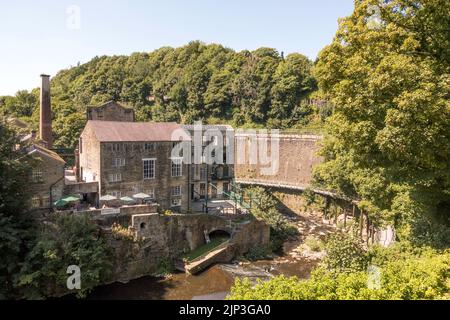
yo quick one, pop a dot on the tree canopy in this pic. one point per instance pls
(193, 82)
(389, 137)
(14, 222)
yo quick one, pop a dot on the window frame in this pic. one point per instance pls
(151, 160)
(120, 147)
(179, 192)
(120, 163)
(37, 175)
(178, 167)
(117, 177)
(36, 202)
(149, 146)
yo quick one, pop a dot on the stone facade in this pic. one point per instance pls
(46, 177)
(132, 181)
(166, 238)
(119, 167)
(210, 179)
(297, 156)
(110, 111)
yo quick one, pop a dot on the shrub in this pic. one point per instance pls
(122, 233)
(168, 213)
(415, 277)
(309, 196)
(314, 244)
(345, 253)
(66, 240)
(165, 267)
(264, 208)
(257, 253)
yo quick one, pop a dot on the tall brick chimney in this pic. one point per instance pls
(45, 122)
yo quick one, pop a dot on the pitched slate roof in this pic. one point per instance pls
(117, 131)
(35, 148)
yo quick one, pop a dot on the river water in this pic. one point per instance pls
(212, 284)
(215, 282)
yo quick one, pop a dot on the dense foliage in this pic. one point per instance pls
(65, 241)
(193, 82)
(14, 222)
(35, 254)
(345, 254)
(402, 273)
(389, 137)
(264, 207)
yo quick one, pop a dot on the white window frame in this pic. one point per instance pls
(176, 191)
(118, 145)
(154, 168)
(176, 168)
(118, 162)
(115, 177)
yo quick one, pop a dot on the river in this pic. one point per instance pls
(212, 284)
(215, 282)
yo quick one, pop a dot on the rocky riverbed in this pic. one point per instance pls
(300, 255)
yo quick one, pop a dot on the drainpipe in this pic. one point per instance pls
(188, 168)
(51, 188)
(207, 188)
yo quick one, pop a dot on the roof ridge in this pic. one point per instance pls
(48, 152)
(120, 104)
(120, 131)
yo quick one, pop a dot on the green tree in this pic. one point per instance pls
(402, 275)
(292, 83)
(264, 207)
(66, 240)
(194, 82)
(389, 137)
(14, 200)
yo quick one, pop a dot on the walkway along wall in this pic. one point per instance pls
(298, 154)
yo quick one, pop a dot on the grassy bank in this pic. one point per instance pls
(215, 242)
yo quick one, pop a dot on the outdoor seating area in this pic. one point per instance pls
(110, 201)
(76, 202)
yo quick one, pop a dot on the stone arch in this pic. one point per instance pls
(219, 232)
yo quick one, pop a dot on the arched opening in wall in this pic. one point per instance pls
(143, 225)
(219, 235)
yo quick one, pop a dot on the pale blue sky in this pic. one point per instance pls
(35, 37)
